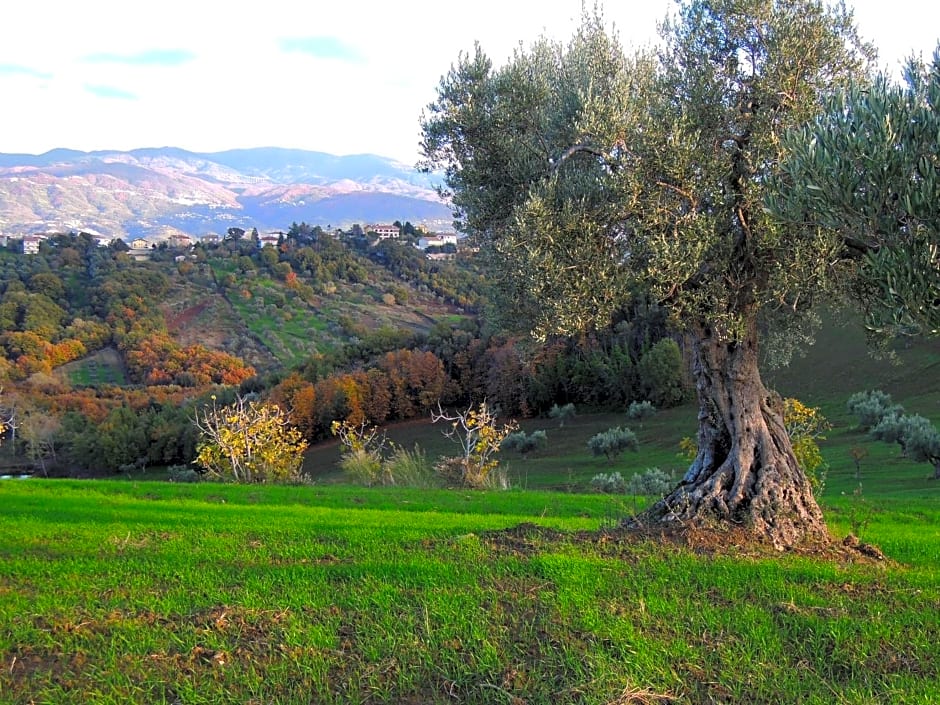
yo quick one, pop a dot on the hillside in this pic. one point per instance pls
(346, 328)
(272, 308)
(142, 192)
(264, 321)
(841, 363)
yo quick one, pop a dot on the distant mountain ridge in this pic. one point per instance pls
(154, 191)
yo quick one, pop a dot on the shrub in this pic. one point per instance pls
(871, 407)
(890, 428)
(479, 437)
(183, 473)
(806, 425)
(362, 455)
(640, 410)
(461, 472)
(919, 439)
(409, 468)
(248, 441)
(612, 483)
(524, 444)
(562, 413)
(613, 442)
(362, 468)
(652, 483)
(921, 442)
(364, 460)
(688, 449)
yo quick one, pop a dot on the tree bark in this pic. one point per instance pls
(745, 474)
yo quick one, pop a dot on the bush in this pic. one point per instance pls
(362, 455)
(362, 467)
(871, 407)
(409, 468)
(660, 372)
(248, 441)
(805, 426)
(613, 442)
(652, 483)
(183, 473)
(524, 444)
(562, 413)
(890, 428)
(463, 472)
(365, 462)
(640, 410)
(919, 439)
(480, 438)
(612, 483)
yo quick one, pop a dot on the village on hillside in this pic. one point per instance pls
(435, 245)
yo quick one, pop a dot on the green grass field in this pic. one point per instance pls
(100, 369)
(123, 592)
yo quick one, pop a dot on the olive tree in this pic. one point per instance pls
(868, 169)
(587, 174)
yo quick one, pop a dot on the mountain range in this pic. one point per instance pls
(153, 193)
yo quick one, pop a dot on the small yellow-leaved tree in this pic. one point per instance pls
(806, 425)
(362, 455)
(248, 441)
(479, 437)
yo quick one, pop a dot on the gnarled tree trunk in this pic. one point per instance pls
(745, 473)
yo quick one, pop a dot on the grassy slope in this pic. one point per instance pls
(117, 592)
(840, 363)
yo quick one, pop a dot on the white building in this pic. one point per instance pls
(438, 240)
(384, 232)
(31, 244)
(180, 240)
(268, 240)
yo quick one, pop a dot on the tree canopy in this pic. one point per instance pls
(868, 169)
(589, 173)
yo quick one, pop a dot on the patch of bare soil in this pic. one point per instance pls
(201, 323)
(622, 541)
(174, 322)
(210, 322)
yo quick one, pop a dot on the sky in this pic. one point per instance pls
(344, 76)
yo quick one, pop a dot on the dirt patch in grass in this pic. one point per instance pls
(185, 318)
(622, 541)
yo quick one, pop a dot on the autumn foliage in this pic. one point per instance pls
(248, 441)
(159, 360)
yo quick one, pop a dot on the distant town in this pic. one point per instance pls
(435, 245)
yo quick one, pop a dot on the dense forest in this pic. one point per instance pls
(105, 359)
